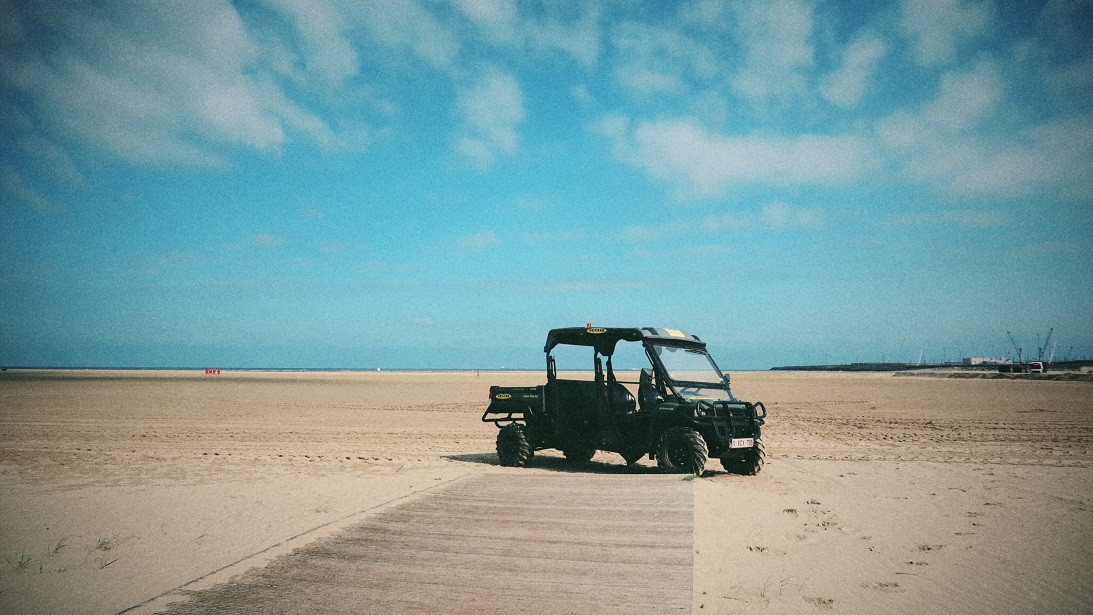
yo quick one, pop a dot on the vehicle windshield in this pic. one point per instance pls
(688, 364)
(705, 393)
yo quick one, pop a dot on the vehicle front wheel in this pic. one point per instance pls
(513, 449)
(681, 450)
(749, 464)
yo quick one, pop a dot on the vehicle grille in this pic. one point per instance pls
(732, 421)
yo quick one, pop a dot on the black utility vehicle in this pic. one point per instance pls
(684, 411)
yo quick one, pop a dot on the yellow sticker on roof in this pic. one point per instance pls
(596, 331)
(675, 333)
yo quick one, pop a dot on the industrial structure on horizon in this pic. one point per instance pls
(1009, 364)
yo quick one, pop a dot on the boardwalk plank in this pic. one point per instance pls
(491, 543)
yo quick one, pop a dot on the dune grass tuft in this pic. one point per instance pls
(768, 591)
(105, 561)
(20, 564)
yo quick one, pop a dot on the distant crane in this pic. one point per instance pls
(1020, 353)
(1040, 350)
(1047, 348)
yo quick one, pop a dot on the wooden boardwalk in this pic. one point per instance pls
(490, 543)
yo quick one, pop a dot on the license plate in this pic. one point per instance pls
(742, 443)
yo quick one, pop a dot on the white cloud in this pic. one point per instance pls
(501, 23)
(936, 27)
(655, 59)
(327, 51)
(478, 241)
(161, 263)
(581, 94)
(405, 25)
(579, 39)
(1054, 160)
(1051, 248)
(1005, 171)
(779, 215)
(492, 109)
(266, 240)
(615, 127)
(113, 112)
(730, 221)
(235, 112)
(705, 13)
(496, 17)
(706, 163)
(968, 218)
(951, 144)
(13, 185)
(52, 158)
(1061, 49)
(152, 84)
(648, 82)
(965, 98)
(556, 238)
(847, 84)
(1072, 83)
(777, 49)
(475, 150)
(389, 267)
(903, 131)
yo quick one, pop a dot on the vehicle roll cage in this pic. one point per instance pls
(604, 340)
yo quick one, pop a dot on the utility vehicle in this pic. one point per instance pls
(683, 412)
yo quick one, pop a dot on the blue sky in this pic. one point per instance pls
(427, 183)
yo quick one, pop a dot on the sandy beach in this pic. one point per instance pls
(881, 493)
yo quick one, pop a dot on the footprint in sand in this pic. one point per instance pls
(887, 587)
(823, 603)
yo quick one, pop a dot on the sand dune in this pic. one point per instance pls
(881, 494)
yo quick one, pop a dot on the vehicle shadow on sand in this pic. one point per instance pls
(559, 464)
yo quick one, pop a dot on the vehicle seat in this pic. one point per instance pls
(576, 397)
(622, 402)
(647, 393)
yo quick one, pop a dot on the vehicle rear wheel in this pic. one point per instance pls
(750, 464)
(513, 449)
(681, 450)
